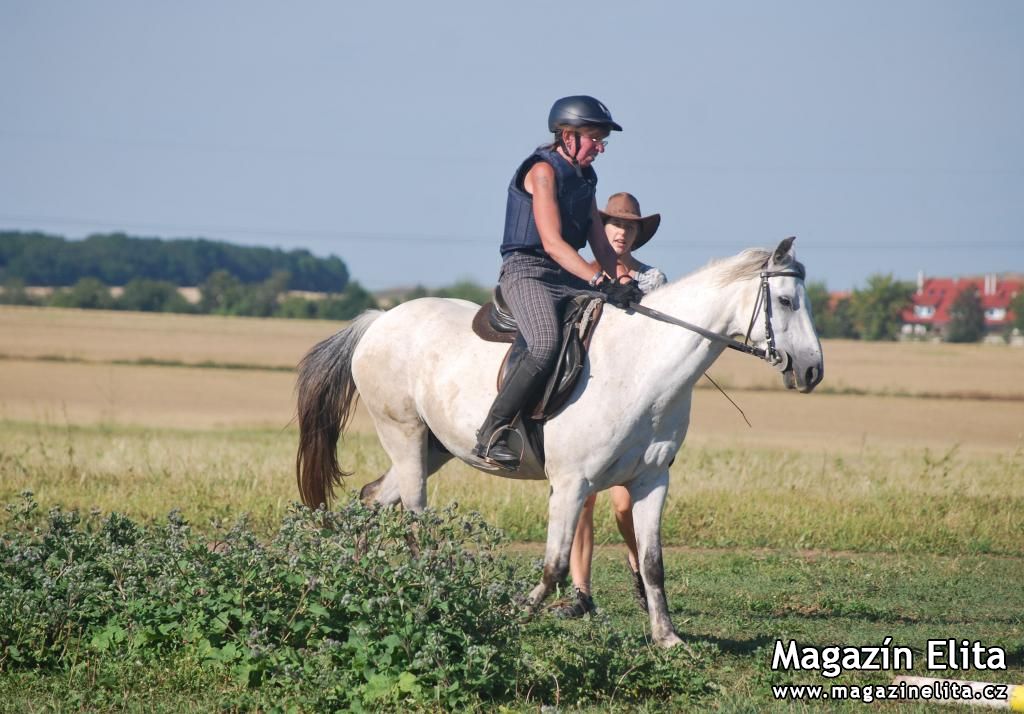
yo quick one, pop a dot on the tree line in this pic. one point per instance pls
(224, 294)
(871, 313)
(252, 281)
(220, 294)
(118, 259)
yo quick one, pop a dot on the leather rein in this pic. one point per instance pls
(763, 303)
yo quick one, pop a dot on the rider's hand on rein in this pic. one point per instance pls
(621, 294)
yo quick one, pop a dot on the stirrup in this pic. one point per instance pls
(484, 460)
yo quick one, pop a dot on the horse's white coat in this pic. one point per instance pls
(420, 367)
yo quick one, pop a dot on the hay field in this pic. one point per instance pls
(107, 336)
(901, 368)
(90, 367)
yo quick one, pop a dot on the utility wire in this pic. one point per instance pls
(481, 240)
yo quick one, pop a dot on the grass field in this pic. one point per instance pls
(887, 504)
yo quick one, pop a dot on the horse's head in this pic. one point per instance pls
(789, 326)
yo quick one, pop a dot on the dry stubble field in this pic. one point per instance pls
(201, 372)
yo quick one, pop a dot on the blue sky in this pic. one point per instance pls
(885, 135)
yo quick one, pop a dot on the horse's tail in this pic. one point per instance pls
(326, 398)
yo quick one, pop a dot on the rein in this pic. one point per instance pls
(764, 298)
(713, 336)
(763, 301)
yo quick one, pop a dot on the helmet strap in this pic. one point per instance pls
(572, 158)
(571, 155)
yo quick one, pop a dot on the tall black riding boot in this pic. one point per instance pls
(525, 380)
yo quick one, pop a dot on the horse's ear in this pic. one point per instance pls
(783, 250)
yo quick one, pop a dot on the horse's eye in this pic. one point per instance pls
(785, 302)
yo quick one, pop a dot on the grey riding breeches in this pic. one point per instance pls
(536, 290)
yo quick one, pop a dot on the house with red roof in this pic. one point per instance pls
(931, 303)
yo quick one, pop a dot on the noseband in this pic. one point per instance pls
(763, 302)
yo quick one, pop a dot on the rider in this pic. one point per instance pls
(626, 230)
(550, 215)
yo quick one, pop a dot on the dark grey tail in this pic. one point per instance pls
(326, 398)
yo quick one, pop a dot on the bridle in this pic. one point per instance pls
(763, 303)
(764, 295)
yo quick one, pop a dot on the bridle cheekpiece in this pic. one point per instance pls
(764, 297)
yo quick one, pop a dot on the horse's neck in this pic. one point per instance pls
(700, 299)
(671, 358)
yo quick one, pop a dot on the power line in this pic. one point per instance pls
(488, 241)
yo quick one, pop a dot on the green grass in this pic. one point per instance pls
(729, 606)
(827, 548)
(875, 500)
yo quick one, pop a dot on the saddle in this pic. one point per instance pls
(494, 323)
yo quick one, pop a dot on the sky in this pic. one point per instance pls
(886, 135)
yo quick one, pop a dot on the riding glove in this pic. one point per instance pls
(621, 294)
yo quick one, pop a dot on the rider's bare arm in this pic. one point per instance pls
(540, 182)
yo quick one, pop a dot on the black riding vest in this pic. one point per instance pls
(575, 198)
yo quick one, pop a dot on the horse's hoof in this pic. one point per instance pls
(673, 640)
(529, 609)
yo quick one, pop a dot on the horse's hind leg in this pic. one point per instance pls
(385, 489)
(413, 459)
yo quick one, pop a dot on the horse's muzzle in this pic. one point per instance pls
(805, 382)
(812, 377)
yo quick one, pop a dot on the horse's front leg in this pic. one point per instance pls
(648, 500)
(564, 508)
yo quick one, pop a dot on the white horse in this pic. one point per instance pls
(427, 381)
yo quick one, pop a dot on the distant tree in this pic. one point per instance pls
(347, 305)
(876, 309)
(841, 323)
(417, 292)
(830, 320)
(116, 258)
(220, 293)
(1017, 306)
(297, 307)
(145, 295)
(34, 257)
(465, 290)
(817, 295)
(966, 317)
(13, 293)
(261, 299)
(87, 293)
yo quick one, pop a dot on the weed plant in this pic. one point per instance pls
(359, 608)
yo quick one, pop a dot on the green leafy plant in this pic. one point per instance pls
(357, 607)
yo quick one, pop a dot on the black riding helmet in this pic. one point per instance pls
(580, 111)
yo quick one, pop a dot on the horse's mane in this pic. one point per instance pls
(747, 264)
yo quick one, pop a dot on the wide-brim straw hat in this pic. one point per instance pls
(625, 207)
